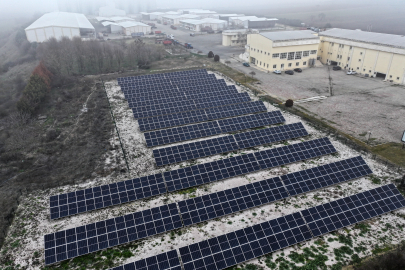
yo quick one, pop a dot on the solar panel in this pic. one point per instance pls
(295, 152)
(183, 133)
(337, 214)
(251, 121)
(185, 118)
(165, 261)
(242, 245)
(326, 175)
(72, 203)
(233, 200)
(194, 150)
(89, 238)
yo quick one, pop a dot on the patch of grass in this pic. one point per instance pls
(375, 180)
(347, 240)
(391, 151)
(188, 190)
(363, 227)
(380, 250)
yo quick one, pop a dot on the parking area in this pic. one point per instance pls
(201, 41)
(358, 105)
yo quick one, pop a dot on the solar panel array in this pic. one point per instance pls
(190, 132)
(242, 245)
(165, 261)
(194, 150)
(184, 118)
(92, 237)
(103, 196)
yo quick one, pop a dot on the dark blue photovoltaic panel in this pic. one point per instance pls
(183, 133)
(325, 175)
(295, 152)
(334, 215)
(210, 172)
(89, 238)
(183, 152)
(194, 150)
(236, 247)
(232, 200)
(72, 203)
(251, 121)
(229, 167)
(185, 118)
(191, 132)
(168, 75)
(165, 261)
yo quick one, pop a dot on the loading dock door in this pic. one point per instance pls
(380, 75)
(333, 63)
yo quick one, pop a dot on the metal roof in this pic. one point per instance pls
(289, 35)
(244, 18)
(263, 19)
(367, 37)
(61, 19)
(131, 24)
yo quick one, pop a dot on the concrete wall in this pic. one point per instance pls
(364, 58)
(137, 29)
(270, 56)
(43, 34)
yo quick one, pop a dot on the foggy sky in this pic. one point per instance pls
(29, 7)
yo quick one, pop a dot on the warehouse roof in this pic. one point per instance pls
(131, 24)
(262, 19)
(368, 37)
(289, 35)
(61, 19)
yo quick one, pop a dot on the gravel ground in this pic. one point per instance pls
(358, 105)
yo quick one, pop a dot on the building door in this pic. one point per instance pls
(282, 66)
(252, 60)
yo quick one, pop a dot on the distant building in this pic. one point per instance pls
(283, 50)
(198, 25)
(58, 25)
(236, 37)
(153, 16)
(226, 17)
(374, 54)
(202, 13)
(175, 19)
(252, 22)
(128, 27)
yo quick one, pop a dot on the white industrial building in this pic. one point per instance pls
(128, 27)
(202, 13)
(58, 25)
(175, 19)
(198, 25)
(153, 16)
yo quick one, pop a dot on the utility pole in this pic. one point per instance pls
(330, 82)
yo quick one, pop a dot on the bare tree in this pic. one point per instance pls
(252, 73)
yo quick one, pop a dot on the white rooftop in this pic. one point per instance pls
(368, 37)
(212, 20)
(289, 35)
(131, 24)
(244, 18)
(263, 19)
(119, 18)
(61, 19)
(191, 21)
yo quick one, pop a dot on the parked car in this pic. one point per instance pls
(297, 70)
(289, 72)
(192, 34)
(351, 72)
(246, 64)
(336, 68)
(277, 71)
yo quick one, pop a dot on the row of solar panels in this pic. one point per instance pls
(92, 237)
(190, 132)
(189, 105)
(236, 247)
(190, 117)
(163, 75)
(72, 203)
(204, 90)
(168, 98)
(194, 150)
(167, 82)
(172, 88)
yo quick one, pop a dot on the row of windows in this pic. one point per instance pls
(290, 55)
(297, 64)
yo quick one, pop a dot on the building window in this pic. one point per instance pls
(298, 55)
(276, 55)
(283, 55)
(369, 71)
(297, 64)
(282, 66)
(333, 44)
(359, 60)
(364, 69)
(361, 53)
(313, 52)
(260, 62)
(358, 68)
(348, 58)
(343, 46)
(305, 53)
(267, 65)
(351, 47)
(289, 64)
(291, 56)
(397, 78)
(274, 66)
(390, 76)
(261, 51)
(304, 64)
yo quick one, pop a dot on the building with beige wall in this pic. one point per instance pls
(237, 37)
(375, 54)
(282, 50)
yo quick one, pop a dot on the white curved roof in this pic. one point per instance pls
(61, 19)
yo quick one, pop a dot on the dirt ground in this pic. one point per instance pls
(358, 105)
